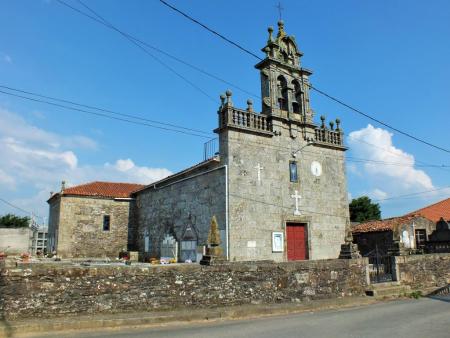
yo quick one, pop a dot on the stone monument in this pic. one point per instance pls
(349, 250)
(214, 251)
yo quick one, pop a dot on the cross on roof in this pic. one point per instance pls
(280, 8)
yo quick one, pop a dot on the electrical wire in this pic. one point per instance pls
(158, 60)
(104, 110)
(103, 115)
(312, 87)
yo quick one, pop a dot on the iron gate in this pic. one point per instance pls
(380, 266)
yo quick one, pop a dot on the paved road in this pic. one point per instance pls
(407, 318)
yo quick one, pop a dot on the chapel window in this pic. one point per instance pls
(106, 222)
(293, 171)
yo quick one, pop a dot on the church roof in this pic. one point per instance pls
(103, 189)
(435, 211)
(384, 224)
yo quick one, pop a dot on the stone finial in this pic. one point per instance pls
(270, 30)
(322, 118)
(229, 93)
(267, 51)
(51, 193)
(249, 105)
(222, 100)
(281, 32)
(63, 185)
(338, 123)
(331, 125)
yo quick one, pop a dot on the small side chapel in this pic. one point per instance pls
(277, 185)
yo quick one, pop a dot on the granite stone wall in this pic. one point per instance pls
(49, 290)
(261, 206)
(182, 208)
(424, 271)
(79, 228)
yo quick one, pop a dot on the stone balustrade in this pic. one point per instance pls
(243, 119)
(327, 136)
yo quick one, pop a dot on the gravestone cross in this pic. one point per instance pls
(297, 199)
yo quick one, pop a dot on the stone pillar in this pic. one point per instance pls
(349, 250)
(214, 253)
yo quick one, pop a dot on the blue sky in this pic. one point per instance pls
(388, 58)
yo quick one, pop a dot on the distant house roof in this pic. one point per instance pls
(102, 189)
(435, 211)
(383, 225)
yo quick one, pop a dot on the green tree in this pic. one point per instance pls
(13, 221)
(362, 209)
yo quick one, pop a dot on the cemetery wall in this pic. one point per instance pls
(49, 290)
(424, 271)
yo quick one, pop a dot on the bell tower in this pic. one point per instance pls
(284, 83)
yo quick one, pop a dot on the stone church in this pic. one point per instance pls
(277, 185)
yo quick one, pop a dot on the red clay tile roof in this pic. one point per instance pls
(435, 211)
(103, 189)
(383, 225)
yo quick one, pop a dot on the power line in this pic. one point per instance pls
(144, 50)
(19, 208)
(159, 50)
(312, 87)
(103, 109)
(350, 159)
(209, 29)
(103, 115)
(413, 194)
(130, 37)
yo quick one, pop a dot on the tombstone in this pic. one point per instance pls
(169, 247)
(188, 245)
(439, 240)
(146, 241)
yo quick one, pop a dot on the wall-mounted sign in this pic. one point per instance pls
(277, 242)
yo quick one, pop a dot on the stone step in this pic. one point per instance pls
(388, 290)
(384, 284)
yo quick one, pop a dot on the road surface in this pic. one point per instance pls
(424, 317)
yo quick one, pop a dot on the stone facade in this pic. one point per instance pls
(49, 290)
(76, 226)
(182, 206)
(260, 152)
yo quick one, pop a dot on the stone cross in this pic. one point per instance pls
(280, 8)
(297, 198)
(259, 168)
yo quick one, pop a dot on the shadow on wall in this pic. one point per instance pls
(5, 327)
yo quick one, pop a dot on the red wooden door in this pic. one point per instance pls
(296, 242)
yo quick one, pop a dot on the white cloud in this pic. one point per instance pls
(35, 161)
(378, 194)
(392, 170)
(16, 127)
